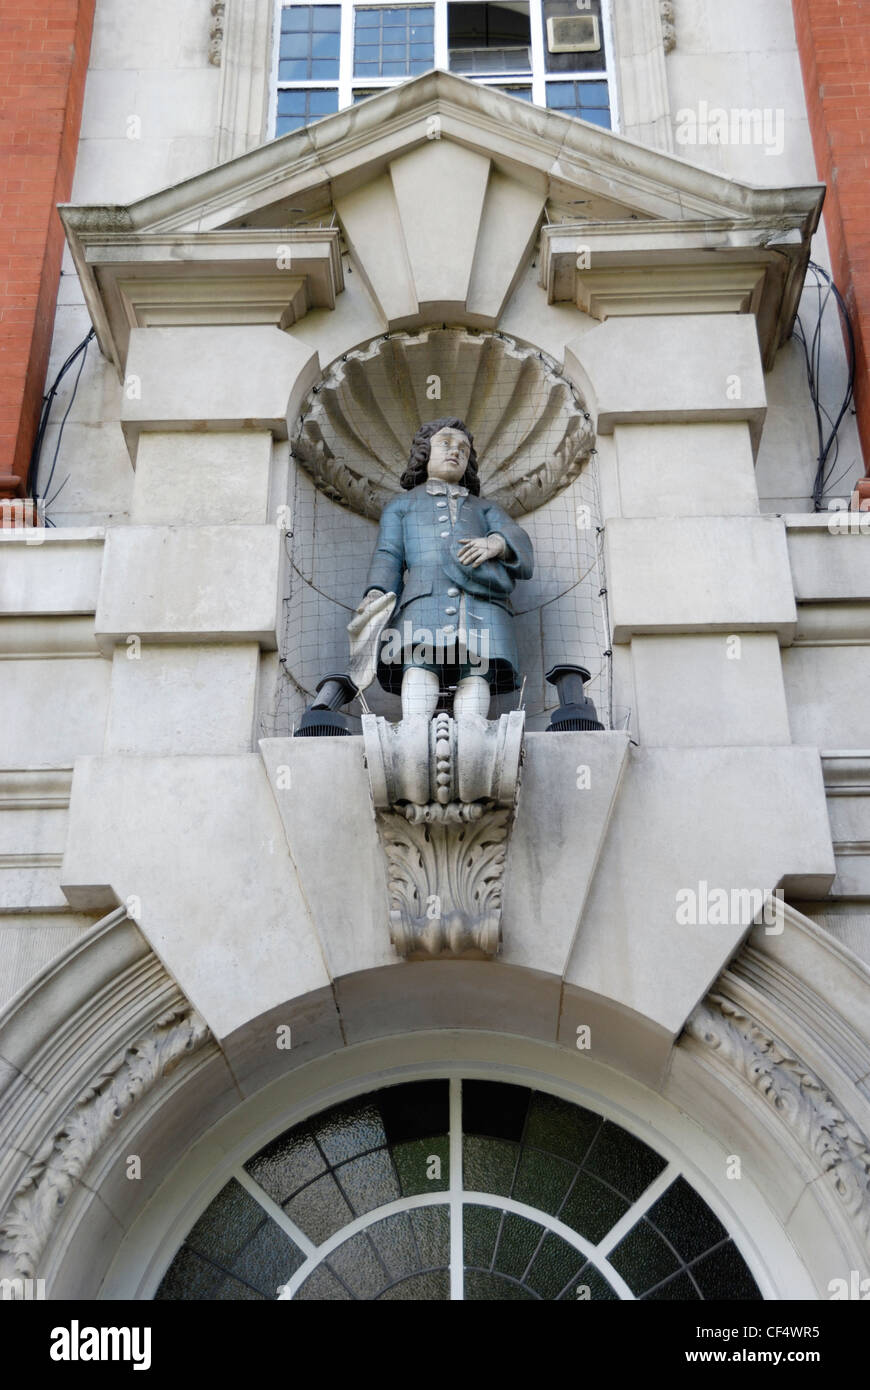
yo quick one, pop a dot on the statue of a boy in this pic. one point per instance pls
(452, 560)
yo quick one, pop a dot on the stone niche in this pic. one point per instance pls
(535, 444)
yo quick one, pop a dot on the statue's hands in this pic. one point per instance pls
(473, 552)
(368, 599)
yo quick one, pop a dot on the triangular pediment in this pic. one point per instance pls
(436, 156)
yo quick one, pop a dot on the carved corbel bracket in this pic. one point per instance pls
(444, 792)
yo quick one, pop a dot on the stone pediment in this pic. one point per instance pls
(439, 188)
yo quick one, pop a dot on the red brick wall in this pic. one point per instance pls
(834, 42)
(44, 50)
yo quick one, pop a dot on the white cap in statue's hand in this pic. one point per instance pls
(364, 631)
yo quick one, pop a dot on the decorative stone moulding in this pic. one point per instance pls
(721, 266)
(63, 1160)
(216, 34)
(140, 279)
(531, 431)
(792, 1090)
(444, 792)
(669, 28)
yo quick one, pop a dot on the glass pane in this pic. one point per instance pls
(327, 18)
(686, 1221)
(285, 125)
(293, 71)
(189, 1277)
(291, 104)
(322, 68)
(484, 1287)
(489, 1107)
(415, 1111)
(561, 1128)
(643, 1259)
(268, 1260)
(589, 1286)
(322, 103)
(293, 1159)
(226, 1224)
(560, 94)
(595, 117)
(350, 1129)
(295, 18)
(415, 1166)
(394, 1240)
(517, 1244)
(433, 1287)
(679, 1289)
(488, 1164)
(591, 1209)
(367, 19)
(395, 51)
(420, 65)
(431, 1226)
(592, 94)
(623, 1161)
(295, 45)
(325, 46)
(319, 1209)
(542, 1181)
(323, 1286)
(357, 1265)
(369, 1182)
(555, 1266)
(480, 1228)
(393, 69)
(723, 1274)
(366, 70)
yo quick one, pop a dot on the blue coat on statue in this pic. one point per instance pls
(445, 609)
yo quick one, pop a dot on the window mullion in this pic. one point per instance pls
(345, 63)
(536, 25)
(457, 1252)
(442, 56)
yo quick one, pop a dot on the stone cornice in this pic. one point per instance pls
(134, 279)
(346, 149)
(719, 265)
(199, 227)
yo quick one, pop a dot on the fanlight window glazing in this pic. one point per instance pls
(437, 1190)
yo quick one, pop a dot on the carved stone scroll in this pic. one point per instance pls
(444, 792)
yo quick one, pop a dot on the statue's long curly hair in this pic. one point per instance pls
(418, 459)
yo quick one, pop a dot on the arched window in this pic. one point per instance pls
(437, 1189)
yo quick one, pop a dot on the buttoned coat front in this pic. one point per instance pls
(417, 558)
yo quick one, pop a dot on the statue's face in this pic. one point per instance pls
(449, 451)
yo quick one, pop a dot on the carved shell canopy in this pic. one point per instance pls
(531, 431)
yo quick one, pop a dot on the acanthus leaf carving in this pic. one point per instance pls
(793, 1091)
(64, 1159)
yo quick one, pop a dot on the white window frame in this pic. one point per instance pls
(345, 84)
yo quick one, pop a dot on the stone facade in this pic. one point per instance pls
(181, 879)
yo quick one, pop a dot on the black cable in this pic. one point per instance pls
(45, 412)
(826, 427)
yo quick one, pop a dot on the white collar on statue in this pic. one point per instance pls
(437, 486)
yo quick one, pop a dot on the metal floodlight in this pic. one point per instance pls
(576, 711)
(323, 717)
